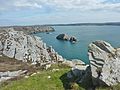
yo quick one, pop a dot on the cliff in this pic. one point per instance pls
(28, 48)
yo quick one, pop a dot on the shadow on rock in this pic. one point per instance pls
(80, 80)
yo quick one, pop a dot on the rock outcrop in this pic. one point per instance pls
(63, 37)
(105, 63)
(11, 74)
(28, 48)
(73, 39)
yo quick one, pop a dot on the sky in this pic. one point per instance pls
(31, 12)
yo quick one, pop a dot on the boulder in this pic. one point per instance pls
(74, 63)
(63, 37)
(105, 63)
(73, 39)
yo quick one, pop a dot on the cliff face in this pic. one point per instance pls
(105, 63)
(28, 48)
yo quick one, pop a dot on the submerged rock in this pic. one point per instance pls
(63, 37)
(105, 63)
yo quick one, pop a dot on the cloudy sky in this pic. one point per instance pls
(27, 12)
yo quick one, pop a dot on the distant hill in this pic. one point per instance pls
(87, 24)
(47, 28)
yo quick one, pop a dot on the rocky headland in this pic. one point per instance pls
(103, 69)
(27, 48)
(30, 29)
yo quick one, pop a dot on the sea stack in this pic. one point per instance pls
(63, 37)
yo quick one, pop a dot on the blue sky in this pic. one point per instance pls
(29, 12)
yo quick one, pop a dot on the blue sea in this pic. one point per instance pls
(85, 35)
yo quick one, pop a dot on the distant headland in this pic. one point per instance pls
(87, 24)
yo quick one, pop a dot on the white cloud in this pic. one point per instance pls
(25, 3)
(79, 5)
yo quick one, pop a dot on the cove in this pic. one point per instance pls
(85, 35)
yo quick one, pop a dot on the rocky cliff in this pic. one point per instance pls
(103, 70)
(105, 63)
(28, 48)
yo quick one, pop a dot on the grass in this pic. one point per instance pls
(115, 87)
(39, 81)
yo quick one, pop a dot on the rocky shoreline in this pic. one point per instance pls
(27, 48)
(103, 70)
(30, 29)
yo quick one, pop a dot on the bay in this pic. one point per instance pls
(85, 35)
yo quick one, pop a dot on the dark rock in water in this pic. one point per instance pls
(63, 37)
(73, 39)
(47, 33)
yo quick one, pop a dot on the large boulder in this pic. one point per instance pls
(28, 48)
(105, 63)
(63, 37)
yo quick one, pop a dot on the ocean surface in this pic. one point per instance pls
(85, 35)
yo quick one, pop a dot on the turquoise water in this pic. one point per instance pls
(85, 35)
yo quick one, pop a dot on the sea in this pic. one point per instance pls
(85, 35)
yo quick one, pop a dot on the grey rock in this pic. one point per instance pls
(9, 75)
(28, 48)
(105, 63)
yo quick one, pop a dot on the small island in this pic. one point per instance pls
(65, 37)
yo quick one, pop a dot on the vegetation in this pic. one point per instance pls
(52, 79)
(11, 64)
(116, 87)
(44, 80)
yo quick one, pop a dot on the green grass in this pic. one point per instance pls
(42, 82)
(115, 87)
(39, 81)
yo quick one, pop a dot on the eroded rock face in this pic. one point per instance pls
(105, 63)
(28, 48)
